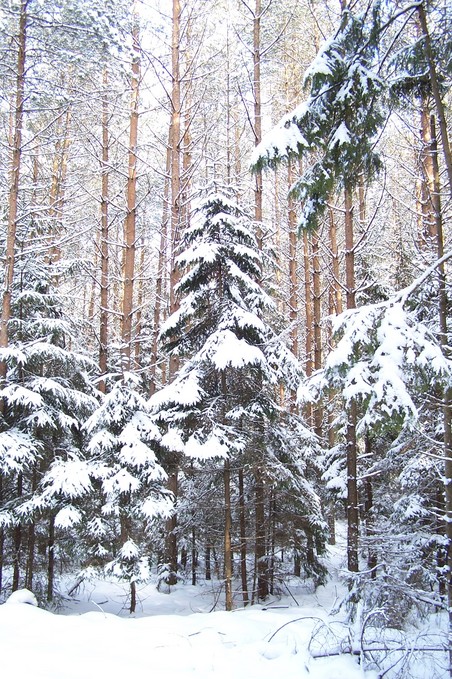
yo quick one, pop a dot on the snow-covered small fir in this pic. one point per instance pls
(129, 479)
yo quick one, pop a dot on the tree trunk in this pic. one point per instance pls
(309, 342)
(175, 141)
(293, 275)
(131, 207)
(139, 313)
(317, 317)
(17, 540)
(51, 559)
(428, 235)
(104, 250)
(208, 562)
(352, 451)
(436, 94)
(133, 597)
(175, 134)
(29, 571)
(258, 188)
(368, 513)
(352, 492)
(272, 541)
(336, 285)
(194, 556)
(227, 536)
(161, 272)
(349, 251)
(447, 396)
(171, 549)
(243, 550)
(260, 549)
(13, 198)
(59, 172)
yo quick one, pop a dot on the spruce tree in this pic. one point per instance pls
(222, 405)
(46, 394)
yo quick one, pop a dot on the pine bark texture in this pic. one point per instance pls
(14, 181)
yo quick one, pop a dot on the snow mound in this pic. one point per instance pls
(22, 596)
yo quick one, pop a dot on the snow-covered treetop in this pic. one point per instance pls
(230, 350)
(219, 260)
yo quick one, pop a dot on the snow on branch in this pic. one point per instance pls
(382, 356)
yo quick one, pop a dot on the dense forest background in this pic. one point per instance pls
(225, 233)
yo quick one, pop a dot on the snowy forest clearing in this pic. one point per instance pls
(178, 635)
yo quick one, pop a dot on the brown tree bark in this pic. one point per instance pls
(50, 558)
(139, 312)
(309, 321)
(293, 261)
(175, 143)
(258, 188)
(59, 173)
(131, 207)
(428, 235)
(261, 543)
(161, 272)
(171, 549)
(335, 287)
(317, 318)
(439, 105)
(352, 449)
(243, 549)
(31, 539)
(17, 540)
(447, 395)
(227, 536)
(13, 197)
(104, 236)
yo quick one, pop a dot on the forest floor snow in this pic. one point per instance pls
(178, 635)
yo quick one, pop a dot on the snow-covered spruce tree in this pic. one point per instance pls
(338, 122)
(46, 395)
(388, 360)
(128, 480)
(223, 403)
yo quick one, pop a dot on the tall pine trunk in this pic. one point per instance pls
(104, 236)
(436, 91)
(131, 209)
(352, 449)
(227, 536)
(171, 547)
(13, 197)
(447, 395)
(243, 550)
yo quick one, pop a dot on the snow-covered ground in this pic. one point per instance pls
(177, 635)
